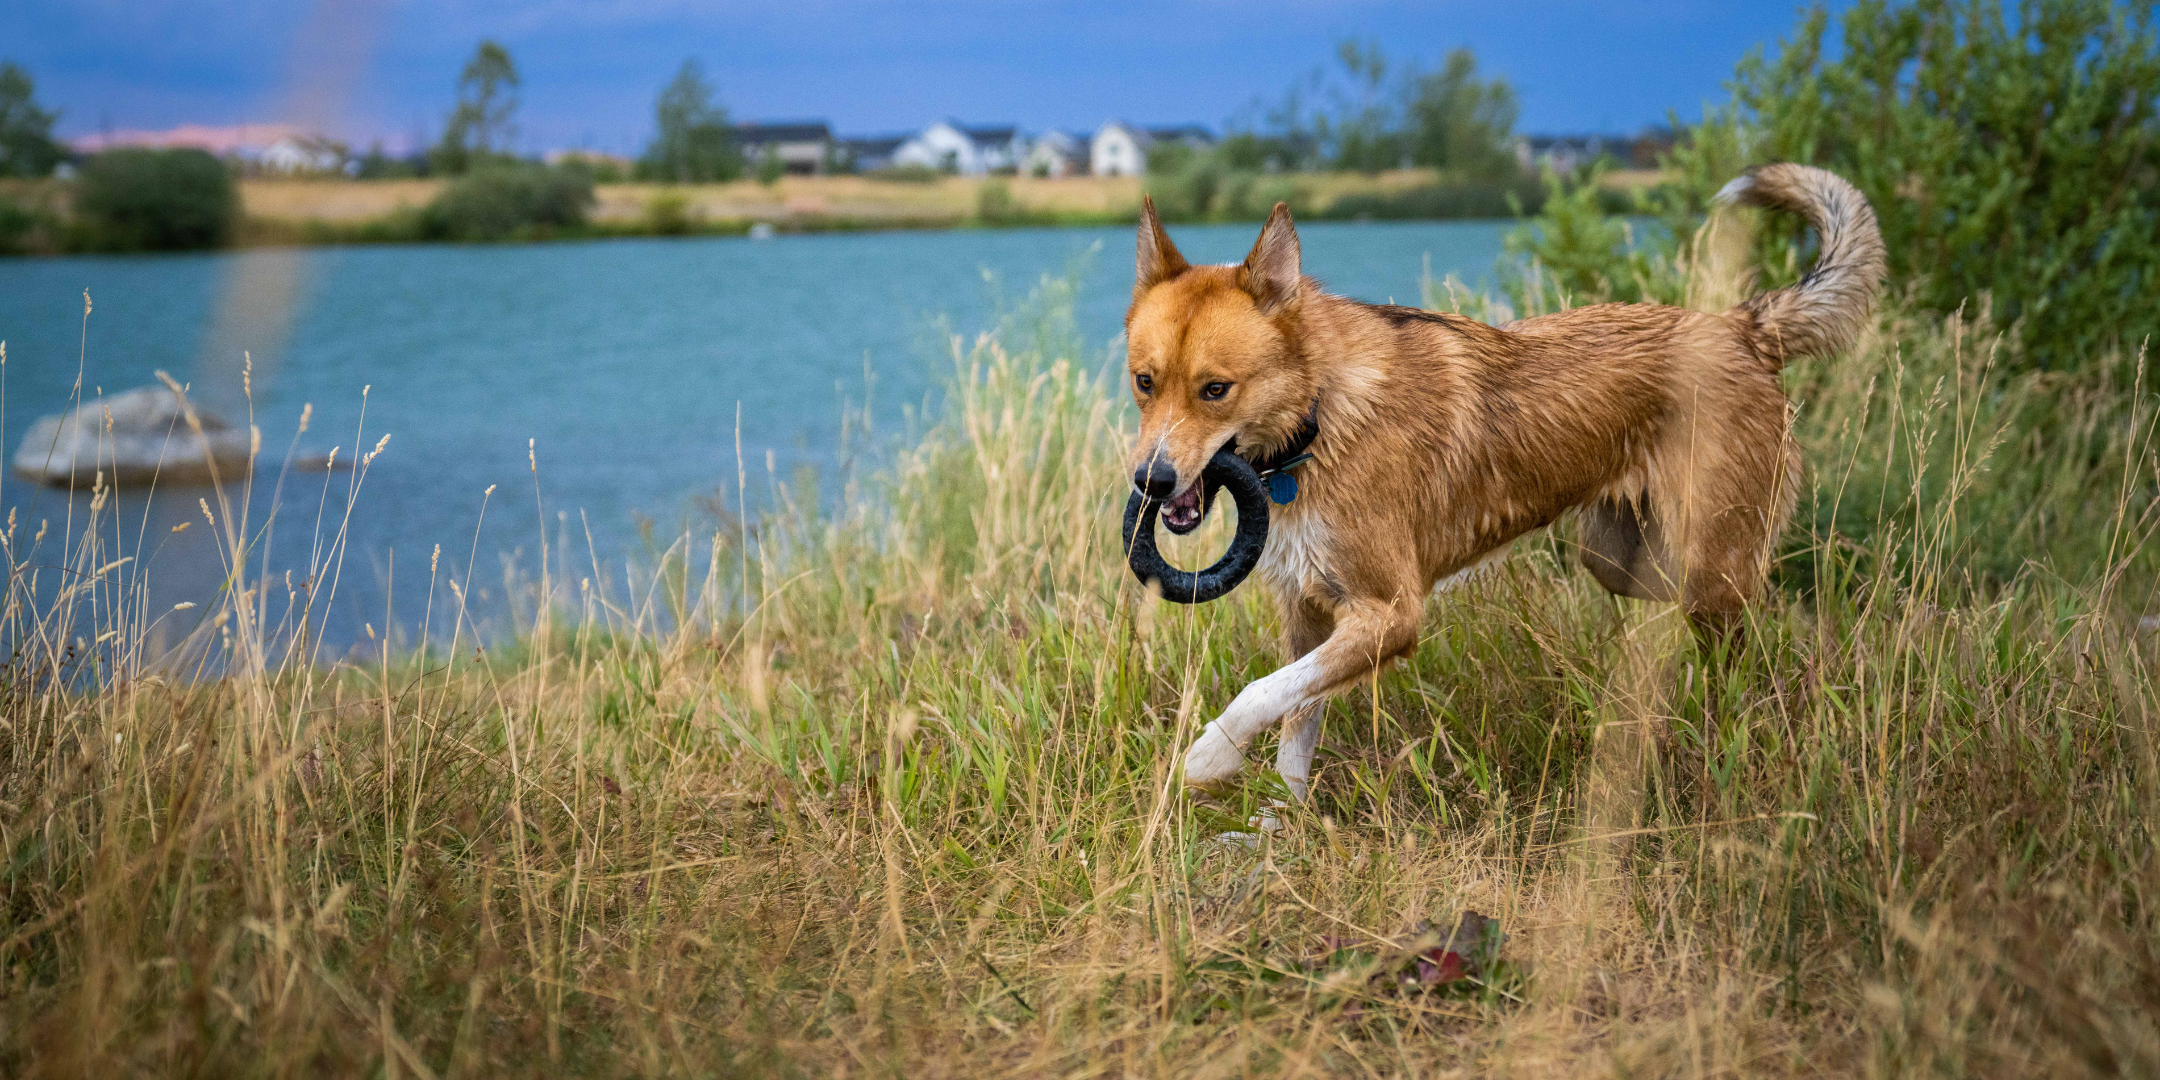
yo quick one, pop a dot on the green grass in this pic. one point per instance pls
(890, 790)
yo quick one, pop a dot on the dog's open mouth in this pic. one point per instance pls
(1182, 515)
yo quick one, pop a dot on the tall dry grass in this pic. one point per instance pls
(889, 789)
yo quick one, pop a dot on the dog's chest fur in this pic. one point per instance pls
(1299, 555)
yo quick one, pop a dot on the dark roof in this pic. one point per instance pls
(1540, 142)
(1183, 133)
(874, 145)
(784, 131)
(992, 134)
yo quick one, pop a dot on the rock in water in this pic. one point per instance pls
(147, 440)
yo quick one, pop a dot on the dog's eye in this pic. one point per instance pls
(1144, 383)
(1214, 391)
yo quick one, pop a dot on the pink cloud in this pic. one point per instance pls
(217, 140)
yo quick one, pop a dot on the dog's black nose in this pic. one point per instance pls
(1156, 479)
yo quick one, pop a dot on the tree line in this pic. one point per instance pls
(1368, 114)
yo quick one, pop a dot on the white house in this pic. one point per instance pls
(1000, 146)
(300, 154)
(941, 146)
(1121, 149)
(1055, 153)
(949, 146)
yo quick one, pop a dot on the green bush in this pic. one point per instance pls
(1208, 185)
(30, 222)
(995, 205)
(1452, 199)
(2014, 162)
(670, 214)
(133, 199)
(2016, 158)
(16, 225)
(501, 202)
(1579, 249)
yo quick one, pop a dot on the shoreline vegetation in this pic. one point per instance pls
(329, 212)
(888, 784)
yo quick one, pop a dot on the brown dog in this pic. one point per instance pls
(1442, 439)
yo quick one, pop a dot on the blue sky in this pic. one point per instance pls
(384, 68)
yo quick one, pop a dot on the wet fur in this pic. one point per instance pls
(1443, 439)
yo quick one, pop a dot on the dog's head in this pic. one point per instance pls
(1212, 354)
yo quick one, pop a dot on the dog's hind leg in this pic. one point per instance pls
(1624, 547)
(1737, 502)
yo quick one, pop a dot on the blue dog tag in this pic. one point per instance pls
(1282, 488)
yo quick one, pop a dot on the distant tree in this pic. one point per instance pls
(1364, 132)
(482, 126)
(1368, 113)
(27, 147)
(377, 164)
(691, 141)
(1457, 121)
(1279, 137)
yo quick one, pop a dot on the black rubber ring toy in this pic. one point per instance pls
(1185, 586)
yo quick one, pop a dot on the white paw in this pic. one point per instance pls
(1212, 759)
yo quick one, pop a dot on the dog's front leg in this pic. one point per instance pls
(1364, 636)
(1307, 622)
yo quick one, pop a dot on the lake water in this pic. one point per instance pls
(624, 362)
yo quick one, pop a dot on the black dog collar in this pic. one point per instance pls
(1275, 469)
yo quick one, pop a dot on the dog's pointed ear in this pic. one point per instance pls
(1271, 272)
(1156, 259)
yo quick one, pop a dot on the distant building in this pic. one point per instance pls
(1649, 145)
(1121, 149)
(870, 153)
(804, 147)
(1193, 135)
(302, 155)
(941, 146)
(1566, 153)
(950, 146)
(1055, 153)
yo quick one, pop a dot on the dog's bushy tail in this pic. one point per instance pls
(1824, 311)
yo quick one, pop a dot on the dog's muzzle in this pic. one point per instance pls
(1226, 470)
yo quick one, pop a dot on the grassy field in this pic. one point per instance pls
(889, 791)
(792, 198)
(303, 211)
(812, 201)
